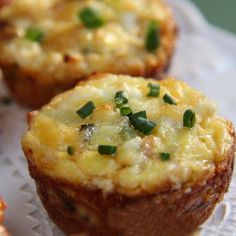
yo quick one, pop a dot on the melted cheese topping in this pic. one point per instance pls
(117, 46)
(137, 166)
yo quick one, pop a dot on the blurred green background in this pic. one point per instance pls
(219, 12)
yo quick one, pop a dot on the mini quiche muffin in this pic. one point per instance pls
(48, 46)
(127, 156)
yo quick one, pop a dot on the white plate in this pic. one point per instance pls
(205, 59)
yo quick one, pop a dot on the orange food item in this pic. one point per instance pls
(2, 208)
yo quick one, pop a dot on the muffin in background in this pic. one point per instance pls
(48, 46)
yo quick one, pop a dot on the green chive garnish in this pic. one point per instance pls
(153, 36)
(168, 99)
(86, 110)
(90, 18)
(154, 90)
(134, 117)
(189, 118)
(120, 99)
(142, 114)
(125, 111)
(140, 122)
(145, 126)
(119, 94)
(165, 156)
(107, 149)
(34, 34)
(70, 150)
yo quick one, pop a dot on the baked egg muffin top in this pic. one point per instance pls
(128, 134)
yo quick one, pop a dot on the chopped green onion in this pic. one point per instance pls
(119, 94)
(142, 114)
(152, 36)
(134, 117)
(125, 111)
(168, 99)
(86, 110)
(70, 150)
(107, 149)
(189, 118)
(143, 125)
(154, 90)
(34, 34)
(165, 156)
(90, 18)
(120, 99)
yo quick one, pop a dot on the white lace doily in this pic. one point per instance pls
(205, 59)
